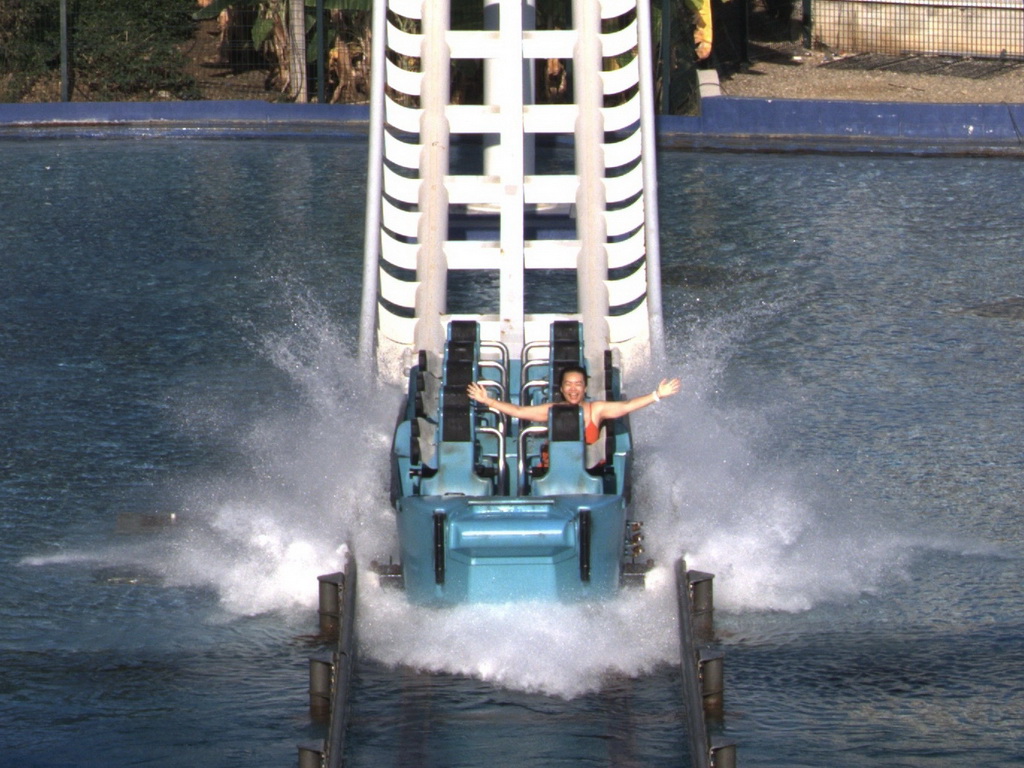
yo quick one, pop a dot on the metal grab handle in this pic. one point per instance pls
(497, 385)
(499, 416)
(532, 345)
(502, 353)
(501, 365)
(498, 345)
(538, 362)
(521, 464)
(499, 435)
(523, 399)
(502, 371)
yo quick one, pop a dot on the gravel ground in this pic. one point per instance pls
(782, 69)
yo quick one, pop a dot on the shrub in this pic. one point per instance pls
(119, 49)
(29, 44)
(126, 49)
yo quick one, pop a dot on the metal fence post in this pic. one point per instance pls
(65, 67)
(806, 23)
(320, 38)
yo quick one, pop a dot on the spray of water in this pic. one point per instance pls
(776, 537)
(562, 650)
(318, 482)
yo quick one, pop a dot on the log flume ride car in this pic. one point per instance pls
(491, 510)
(506, 241)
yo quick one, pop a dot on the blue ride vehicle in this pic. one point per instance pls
(491, 510)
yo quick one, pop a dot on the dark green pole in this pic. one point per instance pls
(320, 54)
(65, 87)
(666, 47)
(807, 24)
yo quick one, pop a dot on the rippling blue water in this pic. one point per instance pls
(176, 333)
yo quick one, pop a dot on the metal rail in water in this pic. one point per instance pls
(701, 667)
(330, 677)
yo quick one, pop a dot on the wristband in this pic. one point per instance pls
(656, 396)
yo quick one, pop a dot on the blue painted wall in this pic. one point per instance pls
(953, 127)
(724, 122)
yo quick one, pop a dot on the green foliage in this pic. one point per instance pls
(29, 43)
(119, 49)
(263, 26)
(214, 9)
(262, 29)
(129, 48)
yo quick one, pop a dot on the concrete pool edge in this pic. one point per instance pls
(814, 125)
(184, 118)
(726, 123)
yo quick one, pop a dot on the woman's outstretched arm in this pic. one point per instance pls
(613, 409)
(525, 412)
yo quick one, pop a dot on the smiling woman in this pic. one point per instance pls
(573, 387)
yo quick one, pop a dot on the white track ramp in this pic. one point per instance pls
(598, 220)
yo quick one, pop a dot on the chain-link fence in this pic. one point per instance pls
(969, 28)
(94, 49)
(30, 43)
(118, 50)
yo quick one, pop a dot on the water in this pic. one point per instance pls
(177, 323)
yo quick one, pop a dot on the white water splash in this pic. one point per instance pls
(319, 478)
(318, 481)
(556, 649)
(772, 535)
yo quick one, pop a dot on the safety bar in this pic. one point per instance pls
(532, 345)
(533, 364)
(496, 385)
(538, 429)
(500, 346)
(501, 368)
(528, 386)
(499, 434)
